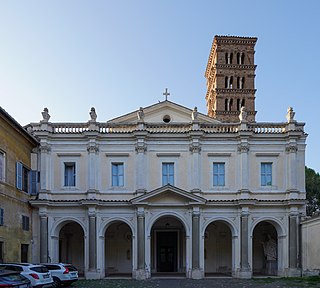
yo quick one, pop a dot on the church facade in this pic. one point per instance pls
(167, 190)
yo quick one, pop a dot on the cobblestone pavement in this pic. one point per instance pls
(204, 283)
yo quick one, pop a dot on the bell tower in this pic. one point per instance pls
(230, 77)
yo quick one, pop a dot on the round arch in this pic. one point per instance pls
(106, 224)
(116, 235)
(219, 238)
(267, 241)
(278, 225)
(156, 217)
(225, 220)
(56, 227)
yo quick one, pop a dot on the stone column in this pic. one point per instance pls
(293, 245)
(244, 263)
(196, 271)
(92, 243)
(43, 239)
(141, 271)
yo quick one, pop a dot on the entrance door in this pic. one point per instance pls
(167, 256)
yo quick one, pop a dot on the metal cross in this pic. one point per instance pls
(166, 94)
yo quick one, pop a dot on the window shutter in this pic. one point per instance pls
(33, 182)
(19, 175)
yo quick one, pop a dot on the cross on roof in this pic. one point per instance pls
(166, 94)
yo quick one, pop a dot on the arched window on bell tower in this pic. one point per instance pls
(238, 58)
(238, 104)
(242, 58)
(243, 103)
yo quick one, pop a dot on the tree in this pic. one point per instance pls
(313, 191)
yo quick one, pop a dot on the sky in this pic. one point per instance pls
(117, 56)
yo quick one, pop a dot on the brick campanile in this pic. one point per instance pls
(230, 77)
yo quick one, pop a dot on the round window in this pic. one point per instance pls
(166, 119)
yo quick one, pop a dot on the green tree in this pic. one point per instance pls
(313, 190)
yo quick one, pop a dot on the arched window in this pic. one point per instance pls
(231, 82)
(242, 58)
(238, 82)
(226, 105)
(242, 103)
(242, 83)
(238, 58)
(230, 104)
(238, 104)
(231, 56)
(226, 82)
(227, 58)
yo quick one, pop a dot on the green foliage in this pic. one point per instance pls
(313, 191)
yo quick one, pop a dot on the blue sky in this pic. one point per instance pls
(70, 55)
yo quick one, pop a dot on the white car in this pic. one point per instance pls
(62, 274)
(39, 275)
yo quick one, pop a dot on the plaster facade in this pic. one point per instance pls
(16, 146)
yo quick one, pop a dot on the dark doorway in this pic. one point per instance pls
(167, 247)
(24, 253)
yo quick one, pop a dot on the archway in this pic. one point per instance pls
(265, 249)
(168, 246)
(218, 249)
(71, 245)
(118, 250)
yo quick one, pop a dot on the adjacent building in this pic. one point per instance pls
(168, 190)
(17, 183)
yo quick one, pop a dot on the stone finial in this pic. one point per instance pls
(290, 115)
(93, 114)
(194, 114)
(45, 115)
(140, 114)
(243, 114)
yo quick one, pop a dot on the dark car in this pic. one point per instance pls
(13, 279)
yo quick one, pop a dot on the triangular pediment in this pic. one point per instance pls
(168, 195)
(158, 112)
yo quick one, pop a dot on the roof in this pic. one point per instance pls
(7, 117)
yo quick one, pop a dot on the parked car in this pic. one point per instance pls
(10, 278)
(38, 275)
(62, 274)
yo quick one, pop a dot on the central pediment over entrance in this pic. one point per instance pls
(168, 196)
(163, 112)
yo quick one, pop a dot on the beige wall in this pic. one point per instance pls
(17, 148)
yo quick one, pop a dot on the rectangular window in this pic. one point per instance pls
(23, 177)
(69, 174)
(266, 174)
(117, 174)
(25, 223)
(2, 166)
(167, 173)
(1, 217)
(218, 174)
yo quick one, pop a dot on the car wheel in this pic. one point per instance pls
(56, 282)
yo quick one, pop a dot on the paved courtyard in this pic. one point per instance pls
(206, 283)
